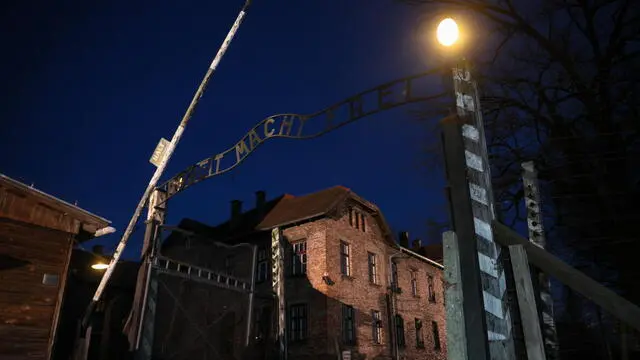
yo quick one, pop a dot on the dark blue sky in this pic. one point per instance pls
(89, 90)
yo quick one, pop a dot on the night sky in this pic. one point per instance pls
(89, 90)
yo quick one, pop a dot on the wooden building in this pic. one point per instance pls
(37, 234)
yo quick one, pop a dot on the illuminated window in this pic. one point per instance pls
(373, 268)
(345, 266)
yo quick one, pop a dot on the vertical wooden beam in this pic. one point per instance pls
(535, 224)
(462, 223)
(456, 333)
(608, 300)
(477, 169)
(527, 303)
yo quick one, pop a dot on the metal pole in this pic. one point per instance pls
(277, 283)
(393, 306)
(168, 153)
(252, 293)
(146, 326)
(537, 237)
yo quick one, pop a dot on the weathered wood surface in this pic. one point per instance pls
(576, 280)
(527, 303)
(22, 203)
(28, 308)
(456, 336)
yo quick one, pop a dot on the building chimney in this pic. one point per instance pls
(404, 239)
(236, 210)
(261, 199)
(416, 244)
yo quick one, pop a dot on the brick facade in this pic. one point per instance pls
(327, 296)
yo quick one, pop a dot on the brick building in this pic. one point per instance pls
(349, 286)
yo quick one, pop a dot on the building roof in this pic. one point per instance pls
(287, 210)
(433, 251)
(291, 209)
(91, 222)
(282, 211)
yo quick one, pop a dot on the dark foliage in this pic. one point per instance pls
(560, 85)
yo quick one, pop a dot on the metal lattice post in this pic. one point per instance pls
(151, 248)
(277, 283)
(473, 195)
(537, 237)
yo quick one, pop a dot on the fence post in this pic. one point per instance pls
(537, 237)
(527, 303)
(456, 336)
(486, 311)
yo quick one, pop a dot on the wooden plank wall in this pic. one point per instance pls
(28, 307)
(21, 206)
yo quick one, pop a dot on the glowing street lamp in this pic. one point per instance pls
(447, 32)
(99, 266)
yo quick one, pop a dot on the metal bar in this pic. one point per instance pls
(251, 294)
(190, 274)
(169, 152)
(156, 216)
(456, 333)
(277, 282)
(575, 279)
(527, 303)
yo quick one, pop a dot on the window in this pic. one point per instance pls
(394, 275)
(414, 283)
(345, 266)
(373, 268)
(299, 259)
(436, 335)
(298, 322)
(400, 331)
(432, 293)
(419, 334)
(263, 265)
(376, 325)
(356, 219)
(348, 325)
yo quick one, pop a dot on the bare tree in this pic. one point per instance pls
(561, 86)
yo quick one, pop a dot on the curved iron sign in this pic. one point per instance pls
(298, 126)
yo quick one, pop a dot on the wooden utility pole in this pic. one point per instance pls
(537, 237)
(527, 303)
(486, 311)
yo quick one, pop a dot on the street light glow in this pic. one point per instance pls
(447, 32)
(99, 266)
